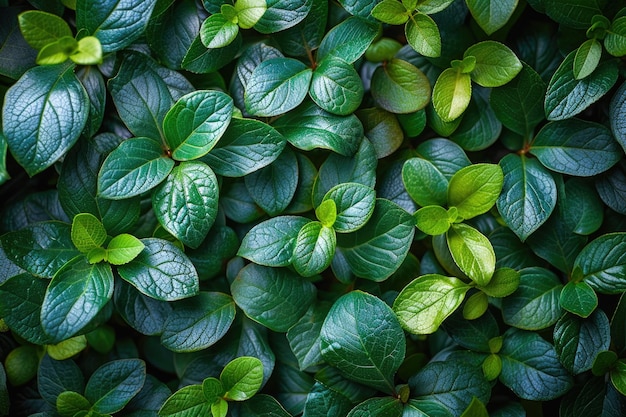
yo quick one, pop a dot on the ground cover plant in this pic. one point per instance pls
(308, 207)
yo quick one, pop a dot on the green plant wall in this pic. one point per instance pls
(308, 207)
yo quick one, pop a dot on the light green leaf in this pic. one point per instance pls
(451, 94)
(336, 86)
(137, 165)
(400, 87)
(391, 12)
(432, 220)
(427, 301)
(423, 35)
(618, 376)
(314, 248)
(188, 401)
(326, 213)
(89, 51)
(503, 283)
(491, 15)
(276, 86)
(217, 31)
(87, 232)
(472, 252)
(249, 12)
(196, 122)
(161, 271)
(41, 28)
(587, 58)
(114, 384)
(242, 378)
(496, 64)
(212, 389)
(77, 292)
(70, 403)
(362, 337)
(123, 249)
(271, 242)
(473, 190)
(57, 52)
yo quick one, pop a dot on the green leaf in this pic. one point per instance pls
(354, 205)
(377, 250)
(21, 297)
(567, 96)
(348, 40)
(362, 337)
(88, 52)
(326, 213)
(531, 368)
(576, 147)
(426, 184)
(314, 249)
(601, 263)
(518, 104)
(473, 190)
(378, 407)
(137, 165)
(383, 49)
(67, 348)
(574, 14)
(43, 115)
(476, 335)
(77, 292)
(587, 58)
(535, 303)
(186, 202)
(217, 31)
(123, 248)
(114, 384)
(242, 378)
(472, 252)
(476, 408)
(451, 94)
(427, 301)
(336, 86)
(578, 342)
(423, 35)
(615, 40)
(496, 64)
(479, 128)
(271, 242)
(186, 402)
(529, 195)
(55, 377)
(17, 55)
(161, 271)
(310, 127)
(391, 12)
(385, 129)
(282, 14)
(491, 15)
(578, 298)
(116, 24)
(57, 52)
(400, 87)
(198, 322)
(262, 405)
(87, 232)
(503, 283)
(432, 220)
(249, 12)
(212, 389)
(618, 376)
(275, 298)
(304, 336)
(277, 86)
(196, 122)
(142, 313)
(40, 28)
(70, 403)
(40, 248)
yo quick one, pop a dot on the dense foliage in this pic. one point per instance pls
(282, 207)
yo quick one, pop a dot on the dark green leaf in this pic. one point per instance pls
(578, 298)
(424, 182)
(114, 384)
(479, 128)
(77, 292)
(557, 244)
(617, 113)
(276, 298)
(601, 263)
(161, 271)
(201, 60)
(262, 405)
(472, 334)
(304, 336)
(198, 322)
(491, 16)
(580, 207)
(362, 337)
(529, 195)
(15, 55)
(55, 377)
(378, 407)
(43, 115)
(400, 87)
(348, 40)
(535, 304)
(238, 204)
(282, 14)
(531, 368)
(20, 306)
(336, 86)
(136, 166)
(142, 313)
(354, 205)
(578, 341)
(115, 24)
(313, 249)
(567, 96)
(271, 242)
(575, 14)
(384, 129)
(322, 401)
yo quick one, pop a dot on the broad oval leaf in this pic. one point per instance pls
(556, 243)
(535, 303)
(427, 301)
(276, 298)
(348, 40)
(615, 40)
(400, 87)
(354, 205)
(186, 202)
(142, 313)
(161, 271)
(282, 14)
(114, 384)
(491, 15)
(246, 146)
(186, 402)
(472, 252)
(567, 96)
(217, 31)
(137, 165)
(362, 337)
(423, 35)
(39, 28)
(602, 263)
(43, 115)
(313, 249)
(529, 194)
(276, 86)
(578, 298)
(196, 122)
(21, 297)
(426, 185)
(473, 190)
(531, 368)
(55, 377)
(87, 232)
(123, 249)
(451, 94)
(580, 206)
(77, 292)
(576, 147)
(377, 250)
(271, 242)
(198, 322)
(496, 64)
(378, 407)
(242, 378)
(336, 86)
(304, 336)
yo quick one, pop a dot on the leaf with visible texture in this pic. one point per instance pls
(423, 35)
(41, 28)
(336, 86)
(21, 297)
(426, 185)
(400, 87)
(304, 336)
(362, 337)
(451, 94)
(313, 249)
(602, 263)
(615, 40)
(186, 402)
(587, 58)
(217, 31)
(123, 249)
(242, 378)
(472, 252)
(55, 377)
(114, 384)
(348, 40)
(496, 64)
(491, 15)
(473, 190)
(354, 205)
(87, 232)
(282, 14)
(271, 242)
(578, 298)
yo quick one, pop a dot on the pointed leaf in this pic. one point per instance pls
(348, 40)
(451, 94)
(472, 252)
(282, 14)
(242, 378)
(400, 87)
(423, 35)
(314, 249)
(217, 31)
(87, 232)
(602, 263)
(271, 242)
(114, 384)
(615, 40)
(21, 298)
(587, 58)
(391, 12)
(491, 15)
(123, 249)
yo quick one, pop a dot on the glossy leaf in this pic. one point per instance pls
(472, 252)
(474, 190)
(282, 14)
(600, 263)
(114, 384)
(578, 298)
(242, 378)
(378, 407)
(432, 220)
(161, 271)
(365, 350)
(87, 232)
(123, 249)
(271, 242)
(40, 28)
(348, 40)
(21, 297)
(617, 112)
(496, 64)
(336, 86)
(615, 40)
(304, 336)
(217, 31)
(400, 87)
(491, 15)
(587, 58)
(314, 249)
(186, 402)
(55, 377)
(451, 94)
(424, 182)
(354, 205)
(391, 12)
(423, 35)
(43, 115)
